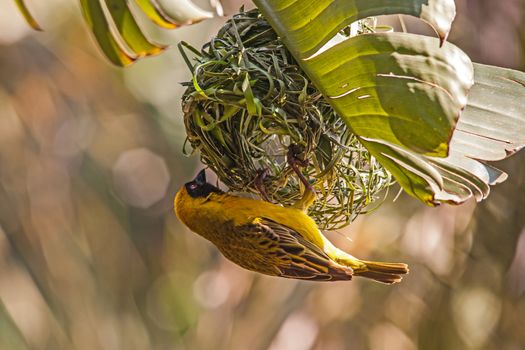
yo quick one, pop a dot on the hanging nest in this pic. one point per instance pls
(249, 101)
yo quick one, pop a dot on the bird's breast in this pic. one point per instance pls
(215, 217)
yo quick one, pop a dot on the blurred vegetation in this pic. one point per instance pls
(92, 257)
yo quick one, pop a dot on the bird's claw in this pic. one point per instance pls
(259, 184)
(292, 157)
(295, 162)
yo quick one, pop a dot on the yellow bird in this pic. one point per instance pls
(271, 239)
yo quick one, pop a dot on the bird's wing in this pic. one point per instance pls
(294, 256)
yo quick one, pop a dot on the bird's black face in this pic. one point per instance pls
(199, 187)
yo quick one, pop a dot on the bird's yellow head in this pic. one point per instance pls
(193, 194)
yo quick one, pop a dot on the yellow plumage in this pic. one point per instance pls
(271, 239)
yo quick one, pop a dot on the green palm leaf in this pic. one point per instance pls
(129, 30)
(309, 24)
(116, 30)
(100, 26)
(406, 97)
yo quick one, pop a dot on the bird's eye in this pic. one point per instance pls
(193, 186)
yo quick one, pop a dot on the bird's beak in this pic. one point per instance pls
(200, 179)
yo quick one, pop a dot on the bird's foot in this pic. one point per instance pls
(295, 162)
(259, 184)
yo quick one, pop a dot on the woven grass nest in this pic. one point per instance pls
(249, 101)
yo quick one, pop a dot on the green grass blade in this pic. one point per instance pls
(27, 15)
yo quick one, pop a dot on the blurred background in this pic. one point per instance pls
(92, 256)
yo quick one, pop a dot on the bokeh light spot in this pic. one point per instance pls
(140, 177)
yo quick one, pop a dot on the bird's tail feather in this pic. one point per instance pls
(383, 272)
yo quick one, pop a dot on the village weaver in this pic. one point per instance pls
(272, 239)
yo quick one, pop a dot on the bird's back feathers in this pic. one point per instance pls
(304, 259)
